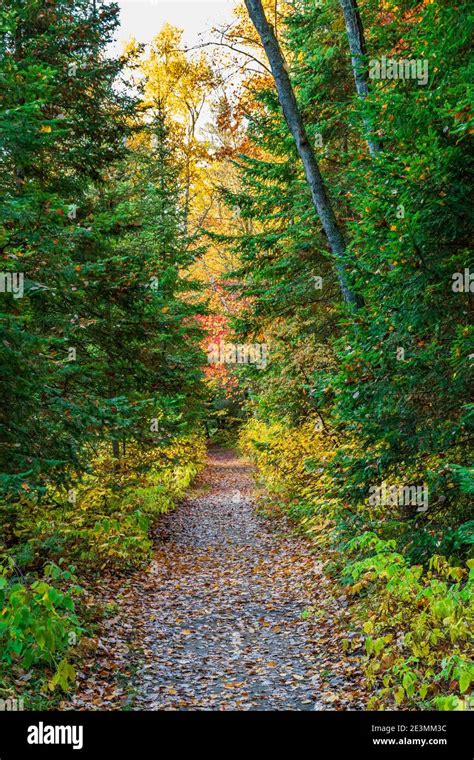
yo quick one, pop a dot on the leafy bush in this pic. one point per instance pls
(38, 621)
(418, 625)
(107, 523)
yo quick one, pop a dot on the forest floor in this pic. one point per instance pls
(233, 613)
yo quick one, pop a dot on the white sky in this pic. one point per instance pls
(143, 19)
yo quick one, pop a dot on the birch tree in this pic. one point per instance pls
(294, 120)
(357, 46)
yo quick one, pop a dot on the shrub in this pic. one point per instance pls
(38, 621)
(107, 524)
(418, 625)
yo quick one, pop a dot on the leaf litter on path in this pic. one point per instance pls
(217, 621)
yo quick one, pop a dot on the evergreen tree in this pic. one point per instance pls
(91, 351)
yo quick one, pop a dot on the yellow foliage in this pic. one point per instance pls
(293, 463)
(104, 521)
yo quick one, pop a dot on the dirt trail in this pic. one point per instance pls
(218, 621)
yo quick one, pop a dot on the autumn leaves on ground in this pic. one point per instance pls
(223, 617)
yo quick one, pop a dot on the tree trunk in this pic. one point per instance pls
(356, 38)
(293, 118)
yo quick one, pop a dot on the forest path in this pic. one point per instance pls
(217, 621)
